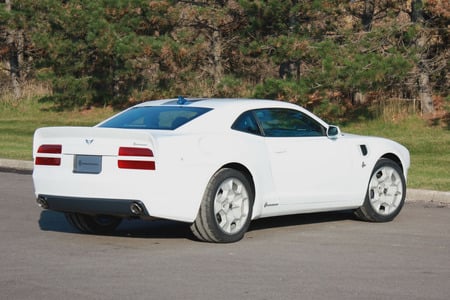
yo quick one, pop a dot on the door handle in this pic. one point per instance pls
(280, 151)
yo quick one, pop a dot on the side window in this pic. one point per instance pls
(246, 123)
(280, 122)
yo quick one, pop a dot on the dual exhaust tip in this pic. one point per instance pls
(136, 209)
(42, 202)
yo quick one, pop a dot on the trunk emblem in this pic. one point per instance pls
(89, 141)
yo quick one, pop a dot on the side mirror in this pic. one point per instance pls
(333, 132)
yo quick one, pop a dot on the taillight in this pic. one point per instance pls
(131, 151)
(136, 158)
(54, 149)
(49, 158)
(136, 164)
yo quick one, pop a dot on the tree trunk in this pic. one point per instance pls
(217, 56)
(425, 89)
(367, 15)
(359, 98)
(425, 93)
(15, 47)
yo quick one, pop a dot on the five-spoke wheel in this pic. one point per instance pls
(231, 205)
(226, 208)
(385, 194)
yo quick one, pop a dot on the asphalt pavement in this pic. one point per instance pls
(310, 256)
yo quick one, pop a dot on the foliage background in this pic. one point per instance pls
(337, 58)
(75, 62)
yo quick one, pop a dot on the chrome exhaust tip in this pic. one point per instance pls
(136, 209)
(42, 202)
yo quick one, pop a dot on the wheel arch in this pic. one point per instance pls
(394, 158)
(244, 170)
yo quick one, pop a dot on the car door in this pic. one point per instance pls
(309, 169)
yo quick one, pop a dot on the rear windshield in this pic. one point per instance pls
(155, 117)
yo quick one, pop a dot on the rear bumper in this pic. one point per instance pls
(94, 206)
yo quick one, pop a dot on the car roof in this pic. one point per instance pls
(214, 103)
(224, 110)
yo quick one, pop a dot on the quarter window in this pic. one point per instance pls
(246, 123)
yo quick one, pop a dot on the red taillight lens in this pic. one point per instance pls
(49, 160)
(136, 164)
(53, 149)
(131, 151)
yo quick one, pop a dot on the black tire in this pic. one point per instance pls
(100, 224)
(385, 194)
(229, 194)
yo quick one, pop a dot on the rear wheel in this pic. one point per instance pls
(385, 194)
(100, 224)
(226, 209)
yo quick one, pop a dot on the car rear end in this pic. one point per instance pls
(94, 170)
(133, 164)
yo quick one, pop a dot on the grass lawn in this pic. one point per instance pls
(429, 146)
(18, 123)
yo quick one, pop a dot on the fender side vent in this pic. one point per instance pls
(363, 149)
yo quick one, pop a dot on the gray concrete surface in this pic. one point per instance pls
(12, 165)
(26, 167)
(313, 256)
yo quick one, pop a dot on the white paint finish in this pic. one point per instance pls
(290, 175)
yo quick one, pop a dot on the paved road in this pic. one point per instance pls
(318, 256)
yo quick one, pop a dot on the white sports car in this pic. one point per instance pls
(215, 163)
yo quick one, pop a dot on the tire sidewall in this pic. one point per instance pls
(209, 199)
(368, 205)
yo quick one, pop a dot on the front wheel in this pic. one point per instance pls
(385, 194)
(226, 208)
(100, 224)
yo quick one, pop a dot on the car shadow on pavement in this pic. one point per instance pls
(301, 219)
(166, 229)
(56, 221)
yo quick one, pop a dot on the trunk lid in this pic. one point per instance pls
(92, 140)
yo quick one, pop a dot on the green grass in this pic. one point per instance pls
(18, 121)
(429, 146)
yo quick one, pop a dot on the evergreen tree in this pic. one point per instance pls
(15, 46)
(95, 52)
(319, 53)
(206, 42)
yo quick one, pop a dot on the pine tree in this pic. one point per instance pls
(95, 52)
(15, 48)
(317, 53)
